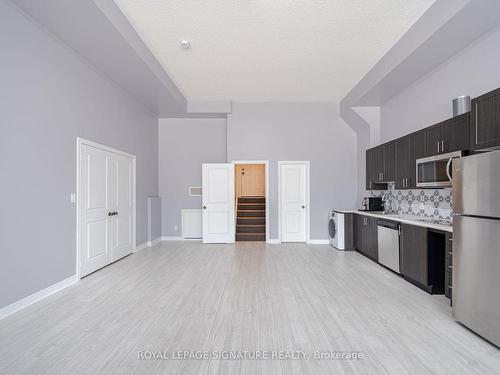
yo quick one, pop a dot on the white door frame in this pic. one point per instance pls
(308, 197)
(266, 167)
(79, 143)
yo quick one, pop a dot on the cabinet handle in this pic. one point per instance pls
(438, 147)
(442, 145)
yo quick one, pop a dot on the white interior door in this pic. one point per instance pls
(218, 203)
(293, 195)
(106, 208)
(122, 203)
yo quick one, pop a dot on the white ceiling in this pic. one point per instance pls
(270, 50)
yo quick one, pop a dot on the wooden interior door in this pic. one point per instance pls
(250, 180)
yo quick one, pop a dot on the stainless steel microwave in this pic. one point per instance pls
(435, 171)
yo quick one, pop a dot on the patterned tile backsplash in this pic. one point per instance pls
(434, 204)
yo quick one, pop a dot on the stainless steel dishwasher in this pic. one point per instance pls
(388, 244)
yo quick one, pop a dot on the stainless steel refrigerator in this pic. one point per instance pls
(476, 244)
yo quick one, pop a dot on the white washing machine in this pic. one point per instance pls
(336, 229)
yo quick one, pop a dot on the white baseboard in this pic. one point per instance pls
(140, 247)
(35, 297)
(154, 242)
(274, 240)
(171, 238)
(318, 242)
(147, 244)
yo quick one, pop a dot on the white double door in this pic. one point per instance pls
(106, 208)
(293, 201)
(218, 203)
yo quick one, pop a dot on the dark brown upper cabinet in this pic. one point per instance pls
(448, 136)
(380, 166)
(457, 133)
(434, 140)
(374, 166)
(402, 162)
(389, 173)
(485, 120)
(417, 151)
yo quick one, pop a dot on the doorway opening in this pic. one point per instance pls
(251, 205)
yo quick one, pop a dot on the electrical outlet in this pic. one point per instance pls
(176, 228)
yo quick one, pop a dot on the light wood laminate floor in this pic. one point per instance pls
(249, 296)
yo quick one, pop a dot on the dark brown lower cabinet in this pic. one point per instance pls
(448, 284)
(365, 236)
(423, 257)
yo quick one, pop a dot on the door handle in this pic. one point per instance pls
(448, 171)
(204, 207)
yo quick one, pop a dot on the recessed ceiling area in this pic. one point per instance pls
(261, 51)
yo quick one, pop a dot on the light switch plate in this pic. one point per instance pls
(72, 198)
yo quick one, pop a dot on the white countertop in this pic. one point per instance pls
(406, 219)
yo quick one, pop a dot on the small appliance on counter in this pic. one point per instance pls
(372, 204)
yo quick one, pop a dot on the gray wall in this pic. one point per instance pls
(184, 144)
(288, 131)
(154, 218)
(48, 97)
(473, 71)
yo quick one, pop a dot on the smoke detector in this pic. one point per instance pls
(185, 44)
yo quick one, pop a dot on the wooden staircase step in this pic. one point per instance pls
(251, 213)
(251, 206)
(250, 236)
(251, 220)
(251, 200)
(251, 229)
